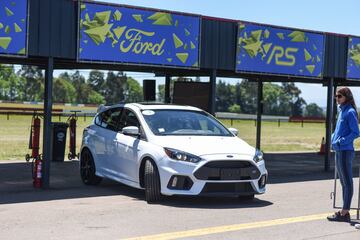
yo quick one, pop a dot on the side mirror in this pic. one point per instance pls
(234, 131)
(131, 131)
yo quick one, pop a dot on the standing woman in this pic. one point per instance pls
(342, 141)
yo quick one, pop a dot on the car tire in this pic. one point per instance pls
(247, 197)
(88, 169)
(152, 183)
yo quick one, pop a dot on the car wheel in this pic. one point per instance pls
(151, 183)
(87, 169)
(247, 197)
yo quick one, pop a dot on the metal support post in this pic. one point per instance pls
(47, 148)
(334, 110)
(259, 113)
(329, 115)
(167, 88)
(212, 94)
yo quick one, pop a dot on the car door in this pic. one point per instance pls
(128, 147)
(105, 144)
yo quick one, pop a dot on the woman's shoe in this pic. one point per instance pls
(357, 226)
(337, 217)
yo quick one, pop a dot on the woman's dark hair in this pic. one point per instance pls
(349, 98)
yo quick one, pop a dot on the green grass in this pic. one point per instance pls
(14, 135)
(289, 137)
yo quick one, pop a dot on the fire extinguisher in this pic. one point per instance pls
(37, 172)
(34, 141)
(72, 129)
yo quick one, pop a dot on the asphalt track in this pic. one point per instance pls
(295, 207)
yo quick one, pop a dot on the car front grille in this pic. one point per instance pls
(227, 170)
(227, 188)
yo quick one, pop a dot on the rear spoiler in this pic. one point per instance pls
(102, 108)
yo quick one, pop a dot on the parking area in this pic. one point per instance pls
(295, 206)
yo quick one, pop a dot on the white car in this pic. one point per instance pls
(169, 150)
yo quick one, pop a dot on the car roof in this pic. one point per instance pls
(152, 106)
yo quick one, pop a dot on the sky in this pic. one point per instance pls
(320, 15)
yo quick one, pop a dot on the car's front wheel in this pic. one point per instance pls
(88, 169)
(151, 183)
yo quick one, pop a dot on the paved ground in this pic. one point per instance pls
(294, 207)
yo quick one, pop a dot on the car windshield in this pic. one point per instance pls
(183, 122)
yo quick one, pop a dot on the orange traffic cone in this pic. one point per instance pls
(322, 147)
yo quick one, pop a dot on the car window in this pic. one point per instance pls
(183, 122)
(128, 118)
(109, 119)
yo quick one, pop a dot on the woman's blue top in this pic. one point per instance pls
(347, 129)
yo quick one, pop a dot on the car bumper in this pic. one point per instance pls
(189, 182)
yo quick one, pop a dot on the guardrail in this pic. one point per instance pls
(55, 114)
(267, 118)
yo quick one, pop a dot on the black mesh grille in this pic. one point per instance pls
(228, 170)
(231, 188)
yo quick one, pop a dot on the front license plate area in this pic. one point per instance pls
(230, 174)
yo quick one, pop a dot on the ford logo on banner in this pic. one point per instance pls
(120, 34)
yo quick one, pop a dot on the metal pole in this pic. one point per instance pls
(259, 113)
(334, 193)
(167, 88)
(334, 110)
(47, 148)
(212, 93)
(358, 208)
(329, 114)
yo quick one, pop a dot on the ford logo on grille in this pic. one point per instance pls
(230, 156)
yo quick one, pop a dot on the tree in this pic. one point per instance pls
(63, 91)
(224, 96)
(96, 81)
(313, 110)
(297, 103)
(9, 83)
(82, 90)
(95, 98)
(235, 108)
(248, 92)
(134, 91)
(31, 83)
(272, 99)
(114, 87)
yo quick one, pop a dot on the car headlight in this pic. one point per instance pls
(258, 156)
(181, 156)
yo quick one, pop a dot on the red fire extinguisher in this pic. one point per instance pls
(34, 141)
(72, 129)
(37, 172)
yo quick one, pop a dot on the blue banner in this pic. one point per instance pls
(128, 35)
(269, 50)
(13, 27)
(353, 62)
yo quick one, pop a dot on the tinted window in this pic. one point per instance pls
(177, 122)
(109, 119)
(129, 118)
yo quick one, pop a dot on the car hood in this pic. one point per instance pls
(206, 145)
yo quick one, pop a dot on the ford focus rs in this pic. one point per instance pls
(169, 150)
